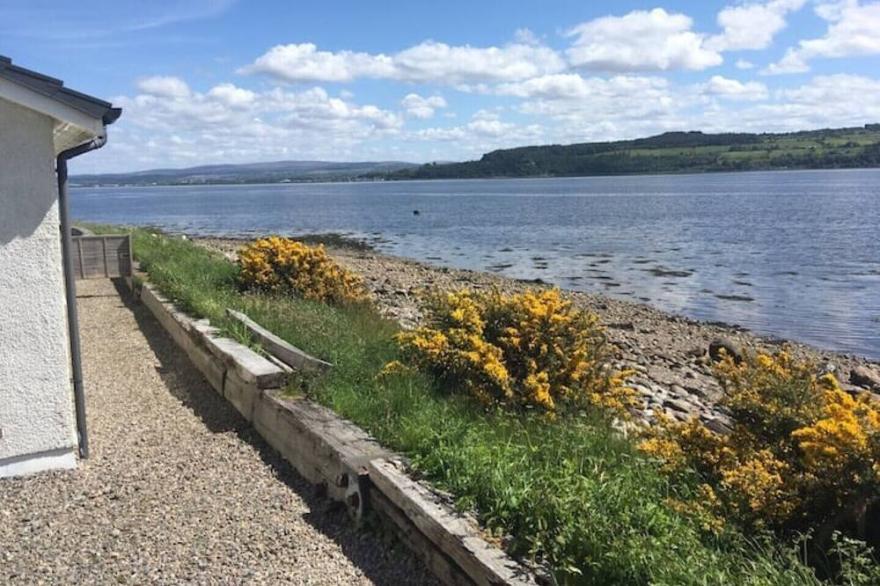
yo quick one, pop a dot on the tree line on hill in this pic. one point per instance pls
(671, 152)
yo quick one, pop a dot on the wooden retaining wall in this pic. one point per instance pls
(336, 455)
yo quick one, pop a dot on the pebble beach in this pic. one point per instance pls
(669, 353)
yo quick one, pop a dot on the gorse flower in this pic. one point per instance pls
(844, 441)
(757, 488)
(284, 265)
(532, 349)
(802, 454)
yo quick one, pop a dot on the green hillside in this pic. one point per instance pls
(672, 152)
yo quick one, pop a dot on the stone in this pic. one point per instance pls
(695, 353)
(718, 345)
(698, 391)
(828, 368)
(678, 405)
(858, 392)
(865, 377)
(718, 425)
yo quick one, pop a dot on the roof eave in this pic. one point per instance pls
(78, 116)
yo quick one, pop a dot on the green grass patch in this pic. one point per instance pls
(572, 493)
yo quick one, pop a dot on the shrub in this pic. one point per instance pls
(283, 265)
(803, 454)
(570, 492)
(532, 349)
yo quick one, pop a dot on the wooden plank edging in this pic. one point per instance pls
(185, 330)
(281, 349)
(338, 456)
(453, 534)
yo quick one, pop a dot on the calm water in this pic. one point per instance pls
(791, 254)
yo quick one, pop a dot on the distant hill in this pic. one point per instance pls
(671, 152)
(275, 172)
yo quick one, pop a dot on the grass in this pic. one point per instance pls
(574, 493)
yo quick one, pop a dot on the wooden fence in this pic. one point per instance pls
(100, 257)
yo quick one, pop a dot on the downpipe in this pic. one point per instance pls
(79, 398)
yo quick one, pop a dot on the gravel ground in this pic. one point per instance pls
(179, 489)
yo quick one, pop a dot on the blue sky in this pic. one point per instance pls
(213, 81)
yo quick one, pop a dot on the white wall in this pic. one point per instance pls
(36, 397)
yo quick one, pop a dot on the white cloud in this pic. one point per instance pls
(428, 62)
(753, 25)
(546, 99)
(571, 87)
(232, 124)
(233, 96)
(833, 100)
(439, 62)
(733, 89)
(791, 62)
(525, 36)
(824, 102)
(420, 107)
(832, 10)
(164, 86)
(488, 124)
(853, 30)
(556, 86)
(304, 62)
(640, 41)
(485, 131)
(574, 108)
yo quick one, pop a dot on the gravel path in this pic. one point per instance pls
(179, 488)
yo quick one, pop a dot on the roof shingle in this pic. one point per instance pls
(54, 89)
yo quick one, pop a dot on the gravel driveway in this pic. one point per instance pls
(179, 488)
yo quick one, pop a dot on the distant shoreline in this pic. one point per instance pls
(668, 153)
(73, 184)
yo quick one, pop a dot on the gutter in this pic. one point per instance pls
(70, 288)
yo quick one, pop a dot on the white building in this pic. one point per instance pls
(42, 124)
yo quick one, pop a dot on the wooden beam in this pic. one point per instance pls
(104, 254)
(439, 563)
(287, 353)
(343, 459)
(453, 534)
(324, 448)
(82, 264)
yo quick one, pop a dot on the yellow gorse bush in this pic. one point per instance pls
(279, 264)
(802, 454)
(533, 349)
(844, 443)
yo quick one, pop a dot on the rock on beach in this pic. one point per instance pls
(667, 352)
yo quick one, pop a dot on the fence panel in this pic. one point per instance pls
(101, 257)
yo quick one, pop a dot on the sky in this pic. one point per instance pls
(226, 81)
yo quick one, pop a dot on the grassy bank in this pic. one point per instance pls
(572, 493)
